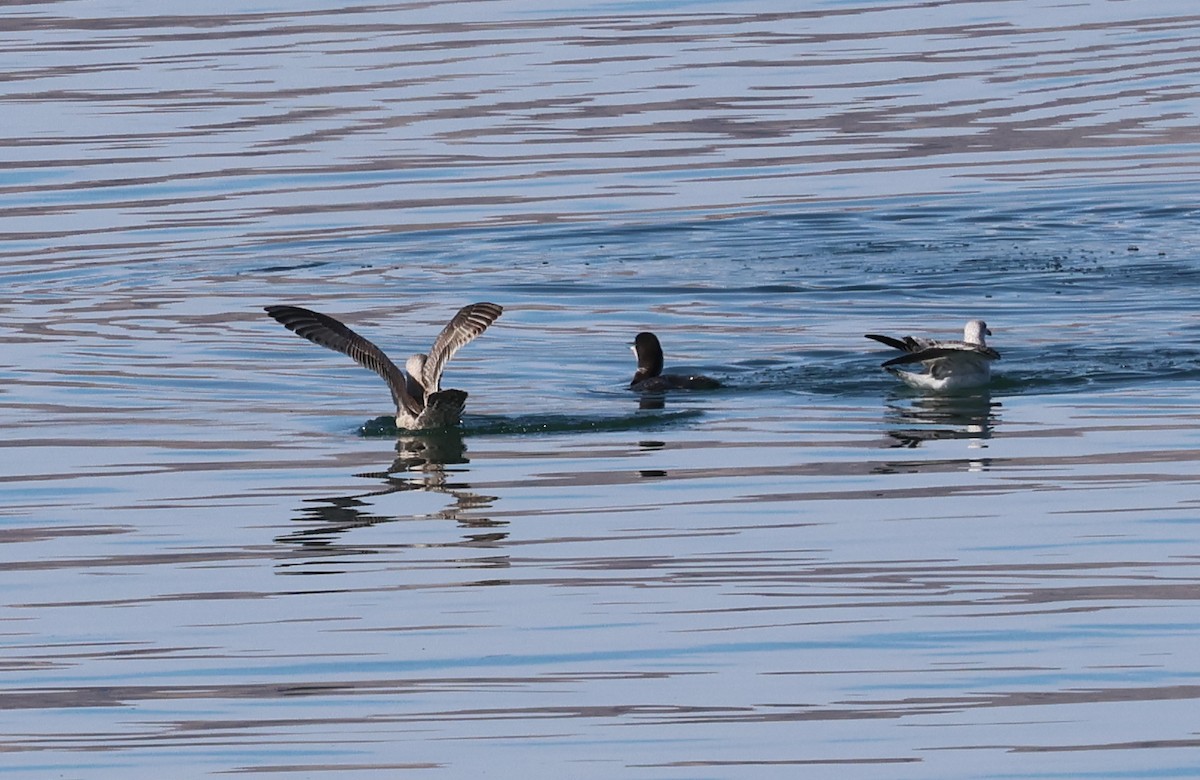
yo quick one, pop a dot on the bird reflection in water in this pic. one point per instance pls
(420, 465)
(651, 446)
(932, 418)
(652, 401)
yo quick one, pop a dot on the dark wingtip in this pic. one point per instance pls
(490, 311)
(277, 310)
(888, 340)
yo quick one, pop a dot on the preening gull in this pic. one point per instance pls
(949, 365)
(421, 403)
(649, 376)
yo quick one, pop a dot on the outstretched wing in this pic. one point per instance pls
(906, 344)
(965, 351)
(903, 346)
(328, 332)
(461, 330)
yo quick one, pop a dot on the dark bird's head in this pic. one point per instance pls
(649, 356)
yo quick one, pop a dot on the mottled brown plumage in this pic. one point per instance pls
(420, 401)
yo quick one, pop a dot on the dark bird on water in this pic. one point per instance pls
(649, 376)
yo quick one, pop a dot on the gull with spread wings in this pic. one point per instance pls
(421, 403)
(949, 365)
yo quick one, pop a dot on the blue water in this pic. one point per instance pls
(217, 559)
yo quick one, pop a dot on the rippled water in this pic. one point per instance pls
(210, 568)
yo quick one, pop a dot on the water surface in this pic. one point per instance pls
(209, 569)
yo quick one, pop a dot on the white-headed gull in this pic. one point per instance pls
(949, 365)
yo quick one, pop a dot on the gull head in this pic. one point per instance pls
(975, 331)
